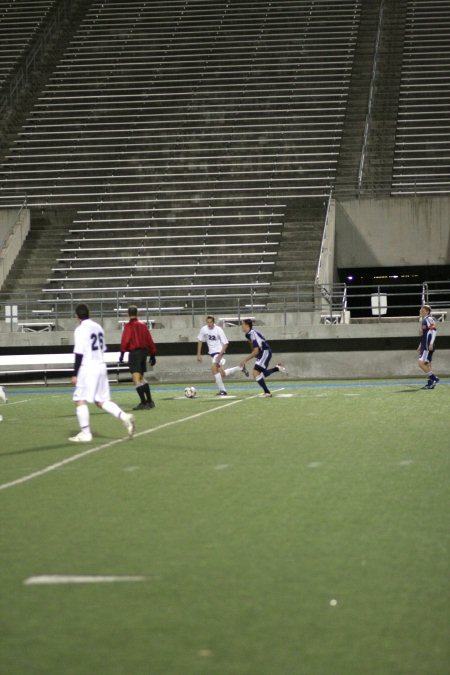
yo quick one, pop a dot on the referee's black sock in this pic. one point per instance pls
(146, 388)
(141, 391)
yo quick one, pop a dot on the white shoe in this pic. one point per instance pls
(129, 423)
(81, 437)
(266, 395)
(281, 368)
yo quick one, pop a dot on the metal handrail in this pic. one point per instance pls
(403, 299)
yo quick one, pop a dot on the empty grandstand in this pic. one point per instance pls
(199, 144)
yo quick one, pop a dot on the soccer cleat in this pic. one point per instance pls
(3, 396)
(282, 368)
(81, 437)
(150, 404)
(141, 406)
(429, 385)
(433, 382)
(128, 422)
(266, 395)
(245, 371)
(222, 393)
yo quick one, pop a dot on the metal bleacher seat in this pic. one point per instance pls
(422, 152)
(183, 134)
(19, 22)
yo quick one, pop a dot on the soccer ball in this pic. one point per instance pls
(190, 392)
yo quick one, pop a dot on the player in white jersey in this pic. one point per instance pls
(217, 344)
(90, 376)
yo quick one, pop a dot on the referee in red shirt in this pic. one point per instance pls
(137, 340)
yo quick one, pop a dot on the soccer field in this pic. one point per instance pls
(300, 535)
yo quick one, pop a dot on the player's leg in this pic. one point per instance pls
(235, 369)
(432, 379)
(82, 412)
(83, 393)
(137, 374)
(264, 361)
(258, 373)
(425, 367)
(149, 403)
(139, 386)
(142, 386)
(215, 369)
(103, 401)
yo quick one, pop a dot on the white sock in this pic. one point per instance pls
(219, 381)
(113, 409)
(83, 418)
(231, 371)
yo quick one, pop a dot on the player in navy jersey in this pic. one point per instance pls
(426, 346)
(262, 352)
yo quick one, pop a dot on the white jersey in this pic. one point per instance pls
(214, 337)
(89, 340)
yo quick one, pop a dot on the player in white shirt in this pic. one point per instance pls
(91, 377)
(217, 344)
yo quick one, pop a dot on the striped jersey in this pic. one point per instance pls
(428, 331)
(258, 340)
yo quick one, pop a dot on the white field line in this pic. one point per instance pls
(27, 400)
(81, 455)
(52, 579)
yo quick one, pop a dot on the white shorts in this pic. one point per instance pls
(92, 383)
(215, 359)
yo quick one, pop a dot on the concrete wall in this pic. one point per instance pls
(14, 228)
(328, 363)
(393, 231)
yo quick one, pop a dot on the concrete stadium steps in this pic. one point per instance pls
(39, 251)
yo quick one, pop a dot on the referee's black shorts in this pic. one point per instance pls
(137, 361)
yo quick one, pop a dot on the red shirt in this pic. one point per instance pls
(136, 335)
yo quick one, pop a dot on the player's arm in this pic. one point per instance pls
(199, 350)
(151, 347)
(432, 338)
(124, 341)
(76, 367)
(252, 354)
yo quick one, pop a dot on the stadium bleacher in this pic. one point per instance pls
(184, 133)
(19, 22)
(202, 119)
(422, 153)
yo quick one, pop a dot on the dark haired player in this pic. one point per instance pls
(217, 343)
(90, 376)
(138, 342)
(426, 346)
(262, 352)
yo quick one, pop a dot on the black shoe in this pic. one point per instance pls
(245, 371)
(429, 385)
(222, 393)
(150, 404)
(141, 406)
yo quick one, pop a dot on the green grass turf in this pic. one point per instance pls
(246, 521)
